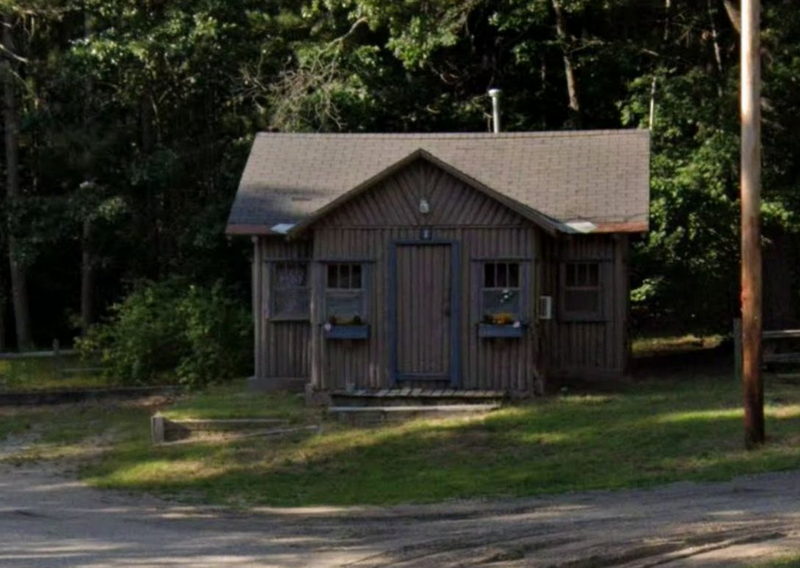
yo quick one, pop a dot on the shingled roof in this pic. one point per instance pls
(584, 181)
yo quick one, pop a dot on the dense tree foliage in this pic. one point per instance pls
(135, 117)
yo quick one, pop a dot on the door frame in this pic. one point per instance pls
(455, 311)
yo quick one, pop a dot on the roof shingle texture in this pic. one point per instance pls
(597, 175)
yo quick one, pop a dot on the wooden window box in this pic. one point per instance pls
(494, 330)
(347, 332)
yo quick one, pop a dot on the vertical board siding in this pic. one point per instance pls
(365, 229)
(423, 306)
(257, 307)
(486, 363)
(590, 349)
(282, 347)
(395, 202)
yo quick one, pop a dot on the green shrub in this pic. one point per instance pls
(170, 329)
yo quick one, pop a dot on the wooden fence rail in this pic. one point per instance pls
(769, 356)
(37, 354)
(60, 358)
(164, 430)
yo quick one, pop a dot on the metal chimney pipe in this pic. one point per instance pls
(495, 95)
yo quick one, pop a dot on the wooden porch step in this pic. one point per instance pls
(375, 415)
(446, 393)
(415, 397)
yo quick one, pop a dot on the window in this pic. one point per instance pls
(290, 291)
(500, 296)
(582, 291)
(344, 293)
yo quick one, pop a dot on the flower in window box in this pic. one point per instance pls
(346, 328)
(503, 318)
(338, 320)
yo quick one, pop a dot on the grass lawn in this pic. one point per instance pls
(43, 374)
(236, 401)
(656, 431)
(667, 345)
(789, 562)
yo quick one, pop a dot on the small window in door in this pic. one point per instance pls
(345, 294)
(500, 295)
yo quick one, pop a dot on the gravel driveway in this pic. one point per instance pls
(48, 520)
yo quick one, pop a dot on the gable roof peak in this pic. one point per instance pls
(543, 221)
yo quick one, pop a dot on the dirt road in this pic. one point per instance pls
(48, 520)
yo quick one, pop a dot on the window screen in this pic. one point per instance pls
(582, 290)
(290, 291)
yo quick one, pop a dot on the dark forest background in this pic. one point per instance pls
(126, 124)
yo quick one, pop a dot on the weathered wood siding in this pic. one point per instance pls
(424, 319)
(394, 202)
(589, 349)
(364, 230)
(282, 348)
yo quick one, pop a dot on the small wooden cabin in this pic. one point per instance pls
(466, 261)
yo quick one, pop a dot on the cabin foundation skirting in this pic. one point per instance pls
(274, 384)
(589, 374)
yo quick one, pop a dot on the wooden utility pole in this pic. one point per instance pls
(752, 380)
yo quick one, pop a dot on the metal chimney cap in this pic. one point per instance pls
(495, 94)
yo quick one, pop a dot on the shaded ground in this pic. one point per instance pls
(47, 520)
(684, 426)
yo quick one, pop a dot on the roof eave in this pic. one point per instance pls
(235, 229)
(626, 227)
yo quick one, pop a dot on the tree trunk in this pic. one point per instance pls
(652, 120)
(734, 15)
(87, 254)
(151, 206)
(3, 341)
(574, 104)
(654, 84)
(715, 40)
(19, 284)
(87, 277)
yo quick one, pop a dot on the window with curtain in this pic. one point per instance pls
(290, 290)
